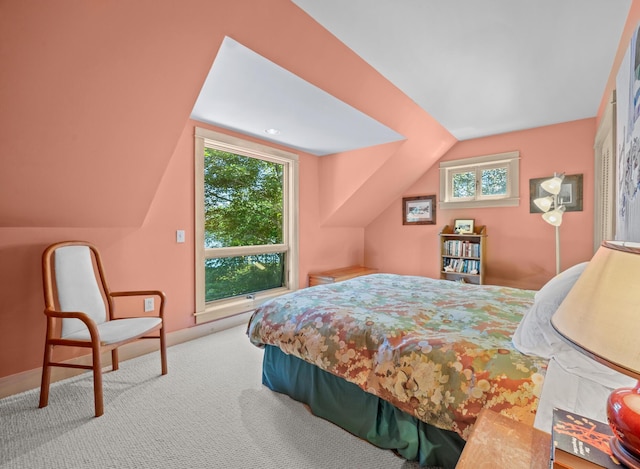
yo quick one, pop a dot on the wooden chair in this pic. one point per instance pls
(77, 296)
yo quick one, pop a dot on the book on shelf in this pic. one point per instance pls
(463, 266)
(462, 248)
(578, 442)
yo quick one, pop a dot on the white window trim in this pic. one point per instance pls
(448, 168)
(223, 308)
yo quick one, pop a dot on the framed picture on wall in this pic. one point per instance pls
(570, 193)
(419, 210)
(463, 226)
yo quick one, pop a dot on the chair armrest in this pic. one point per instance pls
(84, 317)
(159, 293)
(139, 293)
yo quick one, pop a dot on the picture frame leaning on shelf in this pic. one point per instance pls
(463, 226)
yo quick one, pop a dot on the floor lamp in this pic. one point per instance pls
(553, 209)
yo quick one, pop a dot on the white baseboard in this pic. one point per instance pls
(20, 382)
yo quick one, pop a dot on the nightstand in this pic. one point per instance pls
(498, 442)
(338, 275)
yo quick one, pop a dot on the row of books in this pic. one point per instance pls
(465, 266)
(459, 248)
(580, 443)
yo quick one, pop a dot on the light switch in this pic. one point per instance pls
(180, 236)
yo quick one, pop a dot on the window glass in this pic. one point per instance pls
(242, 200)
(494, 181)
(464, 184)
(243, 275)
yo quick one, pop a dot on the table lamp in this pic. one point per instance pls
(601, 318)
(552, 209)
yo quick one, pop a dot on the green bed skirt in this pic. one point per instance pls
(359, 412)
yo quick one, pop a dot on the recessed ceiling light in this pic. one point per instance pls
(272, 131)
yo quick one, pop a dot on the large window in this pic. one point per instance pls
(246, 222)
(484, 181)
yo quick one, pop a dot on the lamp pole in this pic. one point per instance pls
(555, 206)
(552, 208)
(557, 250)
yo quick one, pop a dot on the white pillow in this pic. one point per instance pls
(535, 334)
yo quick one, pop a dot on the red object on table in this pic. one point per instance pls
(623, 412)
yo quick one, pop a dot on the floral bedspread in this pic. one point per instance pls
(436, 349)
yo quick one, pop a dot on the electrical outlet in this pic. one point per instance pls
(180, 236)
(148, 305)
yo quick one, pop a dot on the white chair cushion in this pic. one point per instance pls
(118, 330)
(78, 288)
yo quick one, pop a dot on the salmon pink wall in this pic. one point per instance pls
(520, 245)
(341, 174)
(322, 247)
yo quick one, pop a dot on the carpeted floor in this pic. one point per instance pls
(210, 411)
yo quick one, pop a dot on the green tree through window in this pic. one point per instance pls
(494, 181)
(243, 199)
(464, 184)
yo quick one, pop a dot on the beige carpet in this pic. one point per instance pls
(210, 411)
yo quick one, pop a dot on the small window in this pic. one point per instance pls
(484, 181)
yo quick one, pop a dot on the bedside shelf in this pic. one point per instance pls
(498, 442)
(338, 275)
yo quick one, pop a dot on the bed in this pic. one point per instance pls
(407, 362)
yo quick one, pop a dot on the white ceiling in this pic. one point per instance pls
(478, 67)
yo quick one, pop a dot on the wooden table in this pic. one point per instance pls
(498, 442)
(338, 275)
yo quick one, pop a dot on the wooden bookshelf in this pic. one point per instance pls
(462, 256)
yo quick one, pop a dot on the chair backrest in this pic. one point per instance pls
(77, 286)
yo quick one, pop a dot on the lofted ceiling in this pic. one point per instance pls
(478, 68)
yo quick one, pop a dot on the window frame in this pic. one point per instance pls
(508, 160)
(218, 309)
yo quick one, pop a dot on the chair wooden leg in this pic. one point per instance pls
(163, 350)
(97, 381)
(115, 364)
(46, 376)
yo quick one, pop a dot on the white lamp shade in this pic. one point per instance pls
(599, 316)
(553, 185)
(544, 203)
(554, 217)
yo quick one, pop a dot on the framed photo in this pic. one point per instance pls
(570, 194)
(463, 226)
(419, 210)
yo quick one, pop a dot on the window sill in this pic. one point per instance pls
(225, 308)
